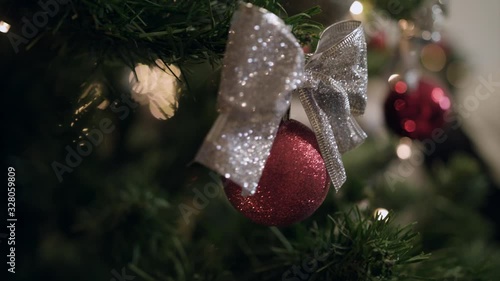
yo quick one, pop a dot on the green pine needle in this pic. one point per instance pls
(134, 31)
(349, 247)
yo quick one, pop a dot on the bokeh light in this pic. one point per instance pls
(399, 104)
(4, 27)
(380, 213)
(400, 87)
(356, 8)
(403, 150)
(409, 125)
(433, 57)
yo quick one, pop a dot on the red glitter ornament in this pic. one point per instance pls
(377, 41)
(294, 182)
(416, 113)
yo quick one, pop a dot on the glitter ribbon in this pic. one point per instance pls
(263, 64)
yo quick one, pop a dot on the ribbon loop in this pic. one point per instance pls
(263, 63)
(341, 55)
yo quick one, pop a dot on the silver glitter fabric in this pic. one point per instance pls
(334, 91)
(263, 64)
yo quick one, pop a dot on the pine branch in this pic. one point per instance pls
(134, 31)
(349, 247)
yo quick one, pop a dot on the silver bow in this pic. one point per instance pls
(263, 64)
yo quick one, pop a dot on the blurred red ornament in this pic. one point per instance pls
(294, 182)
(416, 113)
(307, 49)
(377, 41)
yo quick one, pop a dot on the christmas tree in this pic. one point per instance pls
(115, 113)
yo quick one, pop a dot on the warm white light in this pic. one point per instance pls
(380, 213)
(393, 78)
(403, 151)
(103, 105)
(356, 8)
(157, 85)
(4, 27)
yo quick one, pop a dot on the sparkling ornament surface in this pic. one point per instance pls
(416, 113)
(294, 182)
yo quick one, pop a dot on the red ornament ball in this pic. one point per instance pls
(294, 182)
(377, 41)
(416, 113)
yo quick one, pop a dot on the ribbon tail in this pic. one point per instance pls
(238, 145)
(357, 134)
(336, 78)
(325, 137)
(336, 130)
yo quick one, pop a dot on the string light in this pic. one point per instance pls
(356, 8)
(403, 150)
(380, 213)
(394, 78)
(410, 125)
(158, 86)
(400, 87)
(103, 105)
(4, 27)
